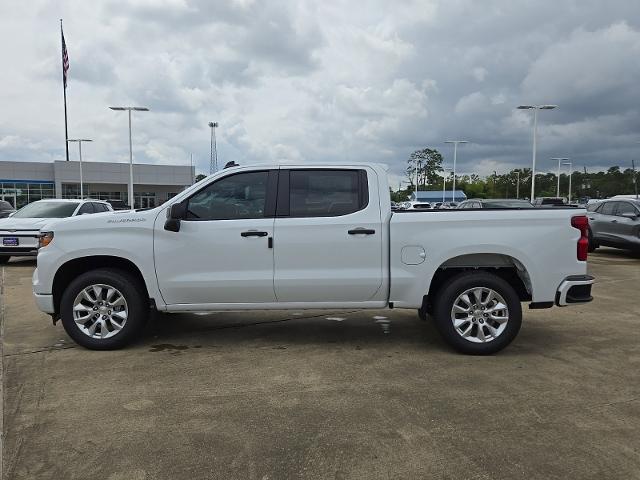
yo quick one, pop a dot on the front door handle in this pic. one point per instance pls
(361, 231)
(254, 233)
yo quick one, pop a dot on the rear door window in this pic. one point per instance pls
(86, 208)
(326, 193)
(625, 207)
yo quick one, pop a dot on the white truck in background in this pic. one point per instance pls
(316, 237)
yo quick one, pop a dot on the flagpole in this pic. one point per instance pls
(64, 93)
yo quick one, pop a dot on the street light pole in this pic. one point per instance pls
(129, 109)
(455, 157)
(444, 181)
(517, 183)
(570, 172)
(560, 160)
(535, 109)
(79, 141)
(213, 162)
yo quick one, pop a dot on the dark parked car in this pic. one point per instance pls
(118, 205)
(494, 203)
(614, 223)
(6, 209)
(549, 202)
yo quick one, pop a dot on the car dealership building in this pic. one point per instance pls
(25, 182)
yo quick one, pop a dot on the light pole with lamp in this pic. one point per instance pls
(535, 109)
(444, 181)
(213, 163)
(560, 160)
(79, 141)
(129, 109)
(570, 172)
(455, 156)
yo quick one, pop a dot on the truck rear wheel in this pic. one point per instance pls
(478, 313)
(104, 309)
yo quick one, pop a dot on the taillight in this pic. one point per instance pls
(581, 222)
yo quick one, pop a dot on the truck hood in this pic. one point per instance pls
(115, 219)
(25, 223)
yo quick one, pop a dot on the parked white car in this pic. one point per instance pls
(20, 233)
(302, 236)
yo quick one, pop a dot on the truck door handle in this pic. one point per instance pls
(361, 231)
(254, 233)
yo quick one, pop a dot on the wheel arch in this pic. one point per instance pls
(77, 266)
(504, 266)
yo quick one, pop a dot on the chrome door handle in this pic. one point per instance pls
(361, 231)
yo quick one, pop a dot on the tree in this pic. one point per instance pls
(428, 162)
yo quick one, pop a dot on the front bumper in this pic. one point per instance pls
(574, 289)
(44, 303)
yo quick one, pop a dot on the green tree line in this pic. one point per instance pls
(614, 181)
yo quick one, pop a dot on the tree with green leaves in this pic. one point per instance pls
(428, 162)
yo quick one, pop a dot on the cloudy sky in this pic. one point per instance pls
(330, 80)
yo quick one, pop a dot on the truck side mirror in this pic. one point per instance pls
(176, 212)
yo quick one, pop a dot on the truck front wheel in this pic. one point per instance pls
(104, 309)
(478, 313)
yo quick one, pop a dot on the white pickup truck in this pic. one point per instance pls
(310, 237)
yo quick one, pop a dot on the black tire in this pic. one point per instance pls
(455, 287)
(422, 314)
(134, 294)
(592, 243)
(4, 260)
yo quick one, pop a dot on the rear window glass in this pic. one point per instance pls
(324, 193)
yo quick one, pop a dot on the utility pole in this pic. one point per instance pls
(517, 183)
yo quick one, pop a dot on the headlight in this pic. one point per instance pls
(44, 239)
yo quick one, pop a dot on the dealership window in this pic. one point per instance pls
(20, 194)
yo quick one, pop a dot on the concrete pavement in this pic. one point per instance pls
(344, 395)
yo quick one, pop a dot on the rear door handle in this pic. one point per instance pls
(254, 233)
(361, 231)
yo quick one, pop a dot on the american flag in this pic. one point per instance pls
(65, 60)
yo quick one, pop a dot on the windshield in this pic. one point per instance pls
(47, 210)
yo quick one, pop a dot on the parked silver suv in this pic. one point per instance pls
(614, 223)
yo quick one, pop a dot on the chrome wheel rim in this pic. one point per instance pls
(479, 315)
(100, 311)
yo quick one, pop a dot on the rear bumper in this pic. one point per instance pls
(44, 302)
(574, 289)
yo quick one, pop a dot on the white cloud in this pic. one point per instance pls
(322, 80)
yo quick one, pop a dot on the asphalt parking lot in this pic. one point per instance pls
(359, 394)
